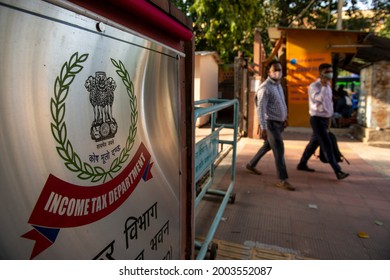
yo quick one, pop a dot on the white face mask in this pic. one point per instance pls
(276, 75)
(329, 76)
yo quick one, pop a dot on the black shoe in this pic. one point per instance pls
(341, 175)
(305, 168)
(253, 169)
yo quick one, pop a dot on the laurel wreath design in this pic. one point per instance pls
(65, 150)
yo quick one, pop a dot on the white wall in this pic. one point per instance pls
(206, 80)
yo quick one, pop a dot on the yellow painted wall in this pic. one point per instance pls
(305, 51)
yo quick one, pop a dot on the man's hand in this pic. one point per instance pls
(264, 134)
(285, 124)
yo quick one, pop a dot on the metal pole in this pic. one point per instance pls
(339, 25)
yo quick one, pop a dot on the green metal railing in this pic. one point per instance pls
(206, 152)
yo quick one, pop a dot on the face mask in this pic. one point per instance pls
(276, 75)
(329, 76)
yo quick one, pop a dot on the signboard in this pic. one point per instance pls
(206, 151)
(89, 139)
(302, 70)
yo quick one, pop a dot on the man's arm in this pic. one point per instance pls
(315, 93)
(262, 101)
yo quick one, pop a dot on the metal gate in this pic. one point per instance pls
(206, 153)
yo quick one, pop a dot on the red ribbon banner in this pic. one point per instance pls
(63, 204)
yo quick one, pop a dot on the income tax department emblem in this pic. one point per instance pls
(63, 204)
(101, 94)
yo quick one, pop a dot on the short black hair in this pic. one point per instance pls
(324, 66)
(273, 62)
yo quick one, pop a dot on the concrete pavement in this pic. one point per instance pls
(323, 219)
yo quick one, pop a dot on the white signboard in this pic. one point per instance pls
(89, 139)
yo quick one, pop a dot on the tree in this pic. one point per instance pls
(183, 5)
(227, 26)
(385, 32)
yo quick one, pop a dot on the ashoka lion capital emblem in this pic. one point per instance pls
(101, 95)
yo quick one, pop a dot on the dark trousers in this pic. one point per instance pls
(320, 137)
(275, 143)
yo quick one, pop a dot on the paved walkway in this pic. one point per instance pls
(322, 219)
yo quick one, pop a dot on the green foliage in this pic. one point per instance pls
(385, 32)
(382, 16)
(183, 5)
(227, 26)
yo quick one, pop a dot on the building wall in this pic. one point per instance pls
(306, 50)
(206, 81)
(374, 107)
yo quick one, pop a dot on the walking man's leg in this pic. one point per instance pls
(255, 160)
(321, 130)
(275, 139)
(311, 147)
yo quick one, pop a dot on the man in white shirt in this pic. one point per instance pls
(321, 110)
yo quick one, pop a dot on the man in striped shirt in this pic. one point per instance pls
(272, 115)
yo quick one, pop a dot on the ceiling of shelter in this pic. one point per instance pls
(370, 49)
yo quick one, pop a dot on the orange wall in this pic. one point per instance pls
(305, 51)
